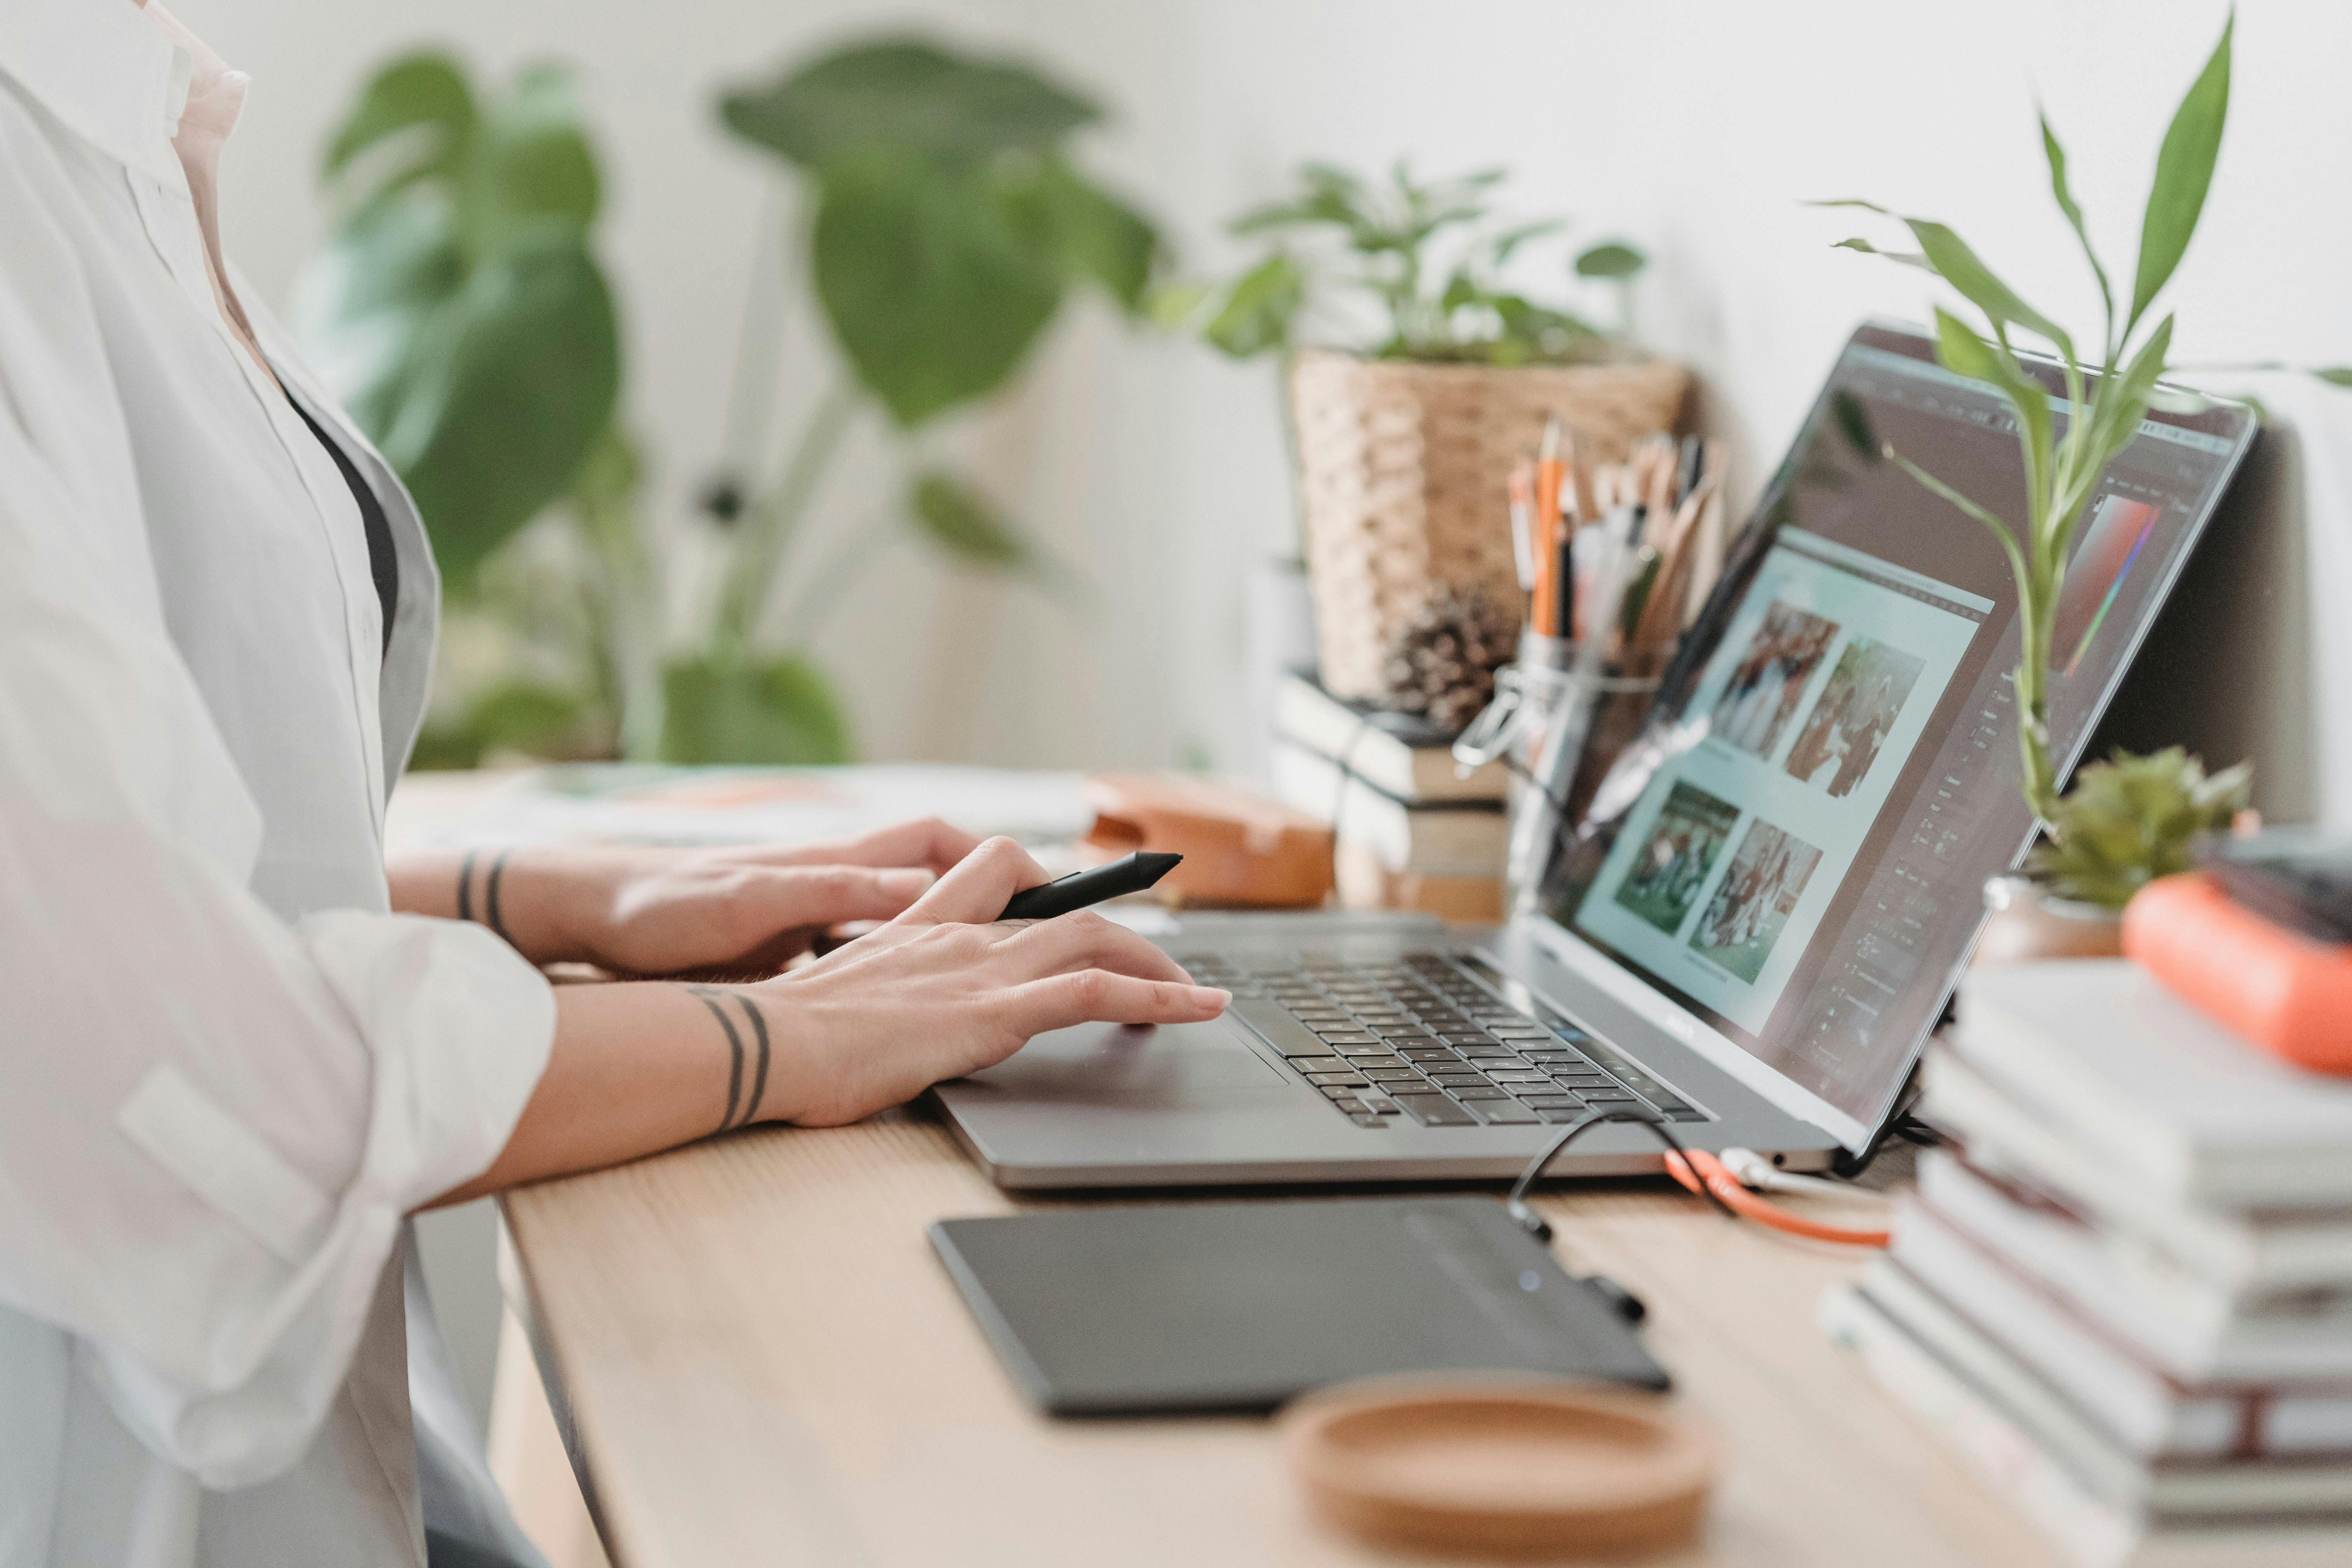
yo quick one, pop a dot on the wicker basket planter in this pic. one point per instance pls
(1404, 471)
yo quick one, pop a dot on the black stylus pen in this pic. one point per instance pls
(1127, 874)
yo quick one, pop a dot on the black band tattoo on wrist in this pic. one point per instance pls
(714, 998)
(465, 884)
(759, 1072)
(491, 896)
(710, 996)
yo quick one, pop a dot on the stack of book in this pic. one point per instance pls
(1407, 833)
(2125, 1294)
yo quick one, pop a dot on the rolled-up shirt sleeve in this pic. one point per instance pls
(212, 1121)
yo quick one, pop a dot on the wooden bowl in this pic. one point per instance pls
(1501, 1467)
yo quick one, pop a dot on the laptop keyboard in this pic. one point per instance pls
(1419, 1037)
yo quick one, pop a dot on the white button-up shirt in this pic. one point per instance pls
(227, 1071)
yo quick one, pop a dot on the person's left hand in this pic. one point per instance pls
(739, 912)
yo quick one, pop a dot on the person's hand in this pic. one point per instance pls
(946, 989)
(733, 911)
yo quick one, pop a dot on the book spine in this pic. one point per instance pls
(2092, 1531)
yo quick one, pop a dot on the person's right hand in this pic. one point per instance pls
(946, 989)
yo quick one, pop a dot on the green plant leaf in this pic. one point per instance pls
(957, 518)
(1092, 232)
(1614, 259)
(1504, 245)
(457, 310)
(780, 710)
(1906, 257)
(908, 94)
(537, 162)
(1959, 266)
(514, 380)
(1963, 351)
(425, 92)
(2130, 820)
(928, 279)
(2335, 375)
(2184, 173)
(2056, 155)
(1170, 306)
(1259, 308)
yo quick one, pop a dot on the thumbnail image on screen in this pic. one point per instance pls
(1753, 902)
(1770, 677)
(1685, 841)
(1850, 722)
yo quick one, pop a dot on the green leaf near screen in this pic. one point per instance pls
(779, 710)
(907, 94)
(2184, 173)
(960, 520)
(457, 309)
(933, 289)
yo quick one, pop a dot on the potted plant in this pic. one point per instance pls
(2129, 820)
(459, 311)
(1415, 376)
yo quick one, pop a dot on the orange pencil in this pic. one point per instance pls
(1544, 536)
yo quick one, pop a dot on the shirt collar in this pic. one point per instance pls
(105, 70)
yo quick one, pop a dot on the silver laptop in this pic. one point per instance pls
(1763, 914)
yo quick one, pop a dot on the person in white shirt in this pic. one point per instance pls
(236, 1052)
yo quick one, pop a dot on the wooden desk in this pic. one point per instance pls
(765, 1364)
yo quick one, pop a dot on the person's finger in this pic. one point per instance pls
(793, 896)
(1099, 996)
(1086, 940)
(927, 842)
(980, 886)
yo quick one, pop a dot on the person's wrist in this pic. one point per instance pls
(547, 902)
(791, 1046)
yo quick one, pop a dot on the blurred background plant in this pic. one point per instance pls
(940, 223)
(458, 309)
(1406, 269)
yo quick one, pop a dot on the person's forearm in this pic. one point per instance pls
(636, 1069)
(523, 895)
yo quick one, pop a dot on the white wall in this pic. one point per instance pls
(1697, 127)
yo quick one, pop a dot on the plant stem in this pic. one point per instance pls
(626, 596)
(806, 614)
(768, 530)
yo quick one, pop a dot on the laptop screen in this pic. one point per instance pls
(1795, 850)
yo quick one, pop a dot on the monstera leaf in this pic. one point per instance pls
(949, 221)
(457, 309)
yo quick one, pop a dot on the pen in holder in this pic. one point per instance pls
(1558, 721)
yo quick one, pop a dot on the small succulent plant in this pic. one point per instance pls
(2129, 820)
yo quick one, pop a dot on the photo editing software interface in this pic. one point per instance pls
(1804, 865)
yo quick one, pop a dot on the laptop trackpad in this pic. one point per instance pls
(1188, 1066)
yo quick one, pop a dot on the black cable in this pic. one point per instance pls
(1535, 1224)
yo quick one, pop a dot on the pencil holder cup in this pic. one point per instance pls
(1559, 720)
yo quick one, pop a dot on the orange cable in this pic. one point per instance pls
(1747, 1205)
